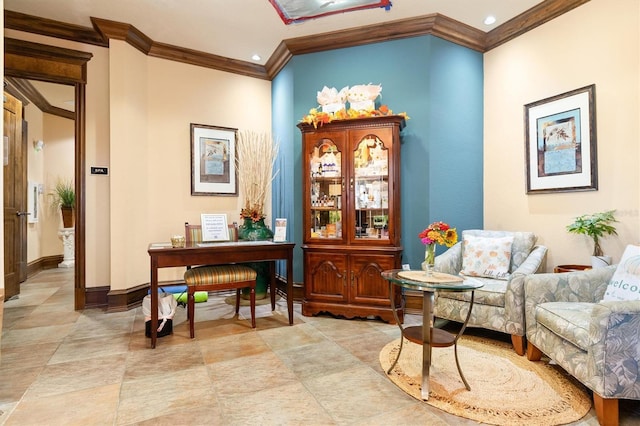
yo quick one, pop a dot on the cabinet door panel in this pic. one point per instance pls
(367, 285)
(324, 195)
(326, 276)
(370, 185)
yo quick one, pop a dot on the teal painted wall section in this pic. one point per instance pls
(286, 182)
(439, 85)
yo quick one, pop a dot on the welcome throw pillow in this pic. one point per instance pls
(625, 282)
(486, 257)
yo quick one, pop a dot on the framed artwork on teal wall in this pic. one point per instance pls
(560, 143)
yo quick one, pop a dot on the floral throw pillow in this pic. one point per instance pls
(486, 257)
(625, 282)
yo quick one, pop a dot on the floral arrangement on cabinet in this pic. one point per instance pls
(332, 104)
(436, 233)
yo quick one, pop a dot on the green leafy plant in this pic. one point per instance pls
(596, 226)
(63, 194)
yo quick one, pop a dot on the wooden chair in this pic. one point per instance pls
(215, 278)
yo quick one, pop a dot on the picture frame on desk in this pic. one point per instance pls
(214, 227)
(213, 160)
(280, 232)
(560, 143)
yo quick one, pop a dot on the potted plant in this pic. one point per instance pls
(596, 226)
(64, 197)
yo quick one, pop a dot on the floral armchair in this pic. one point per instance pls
(499, 304)
(597, 342)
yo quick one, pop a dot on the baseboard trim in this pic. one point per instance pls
(131, 298)
(96, 297)
(47, 262)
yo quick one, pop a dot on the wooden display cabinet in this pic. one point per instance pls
(351, 216)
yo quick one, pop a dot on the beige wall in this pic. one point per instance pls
(35, 174)
(58, 136)
(597, 43)
(153, 102)
(138, 114)
(45, 167)
(97, 153)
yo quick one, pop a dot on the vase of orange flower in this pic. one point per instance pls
(436, 233)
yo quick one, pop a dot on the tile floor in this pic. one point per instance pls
(61, 367)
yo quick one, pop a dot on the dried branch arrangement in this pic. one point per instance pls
(257, 153)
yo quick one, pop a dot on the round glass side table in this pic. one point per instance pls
(426, 335)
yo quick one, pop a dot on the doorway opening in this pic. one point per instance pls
(34, 61)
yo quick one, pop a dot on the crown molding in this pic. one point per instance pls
(433, 24)
(541, 13)
(28, 90)
(136, 38)
(49, 27)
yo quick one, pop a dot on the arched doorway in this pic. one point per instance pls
(36, 61)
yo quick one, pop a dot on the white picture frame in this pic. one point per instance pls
(213, 160)
(214, 227)
(560, 143)
(280, 233)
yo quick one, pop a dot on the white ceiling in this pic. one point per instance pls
(240, 28)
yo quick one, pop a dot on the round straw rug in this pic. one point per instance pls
(506, 389)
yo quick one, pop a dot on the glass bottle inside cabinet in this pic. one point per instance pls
(371, 185)
(325, 166)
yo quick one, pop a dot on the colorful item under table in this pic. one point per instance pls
(163, 255)
(427, 336)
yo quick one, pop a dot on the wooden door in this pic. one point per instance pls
(15, 197)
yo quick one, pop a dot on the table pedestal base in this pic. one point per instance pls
(429, 338)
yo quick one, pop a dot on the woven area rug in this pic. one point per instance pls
(506, 389)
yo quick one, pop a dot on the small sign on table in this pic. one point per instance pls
(214, 227)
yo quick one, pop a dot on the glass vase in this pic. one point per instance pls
(429, 259)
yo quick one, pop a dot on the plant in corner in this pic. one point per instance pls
(63, 196)
(596, 226)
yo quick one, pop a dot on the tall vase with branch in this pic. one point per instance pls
(257, 153)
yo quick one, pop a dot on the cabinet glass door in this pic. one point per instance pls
(326, 197)
(371, 189)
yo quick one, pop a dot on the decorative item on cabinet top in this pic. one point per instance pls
(332, 105)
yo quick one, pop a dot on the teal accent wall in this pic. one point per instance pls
(440, 86)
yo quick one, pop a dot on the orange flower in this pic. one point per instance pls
(316, 117)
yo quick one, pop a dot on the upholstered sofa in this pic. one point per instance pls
(597, 342)
(499, 304)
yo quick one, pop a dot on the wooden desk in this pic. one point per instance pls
(218, 254)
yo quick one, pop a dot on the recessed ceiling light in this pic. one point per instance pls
(256, 57)
(489, 20)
